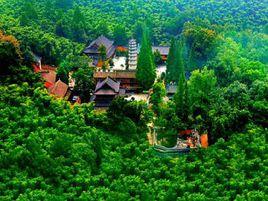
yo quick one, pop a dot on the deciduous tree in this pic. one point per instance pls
(10, 54)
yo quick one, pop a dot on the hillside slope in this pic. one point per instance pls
(48, 152)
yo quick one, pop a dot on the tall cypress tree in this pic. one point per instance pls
(179, 96)
(186, 103)
(146, 70)
(175, 64)
(178, 68)
(171, 60)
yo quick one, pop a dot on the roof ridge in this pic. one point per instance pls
(113, 84)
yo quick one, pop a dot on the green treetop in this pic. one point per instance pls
(181, 98)
(171, 60)
(179, 64)
(77, 26)
(146, 72)
(159, 92)
(175, 64)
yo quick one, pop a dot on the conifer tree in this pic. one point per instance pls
(179, 96)
(178, 68)
(146, 71)
(159, 92)
(186, 109)
(175, 65)
(171, 60)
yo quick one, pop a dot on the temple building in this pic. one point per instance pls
(164, 50)
(132, 54)
(60, 90)
(93, 49)
(106, 91)
(48, 73)
(127, 79)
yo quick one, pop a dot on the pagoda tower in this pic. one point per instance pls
(132, 54)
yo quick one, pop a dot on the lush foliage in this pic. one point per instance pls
(175, 64)
(10, 53)
(146, 72)
(55, 155)
(52, 150)
(88, 18)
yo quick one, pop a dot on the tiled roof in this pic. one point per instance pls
(110, 52)
(102, 40)
(44, 68)
(114, 85)
(59, 89)
(49, 76)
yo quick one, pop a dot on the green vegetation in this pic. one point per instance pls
(55, 155)
(157, 96)
(58, 154)
(171, 61)
(181, 98)
(52, 150)
(146, 72)
(165, 18)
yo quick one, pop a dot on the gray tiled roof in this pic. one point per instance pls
(102, 40)
(110, 52)
(110, 82)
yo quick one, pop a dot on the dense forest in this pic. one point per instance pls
(53, 150)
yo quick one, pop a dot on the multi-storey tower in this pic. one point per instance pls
(132, 54)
